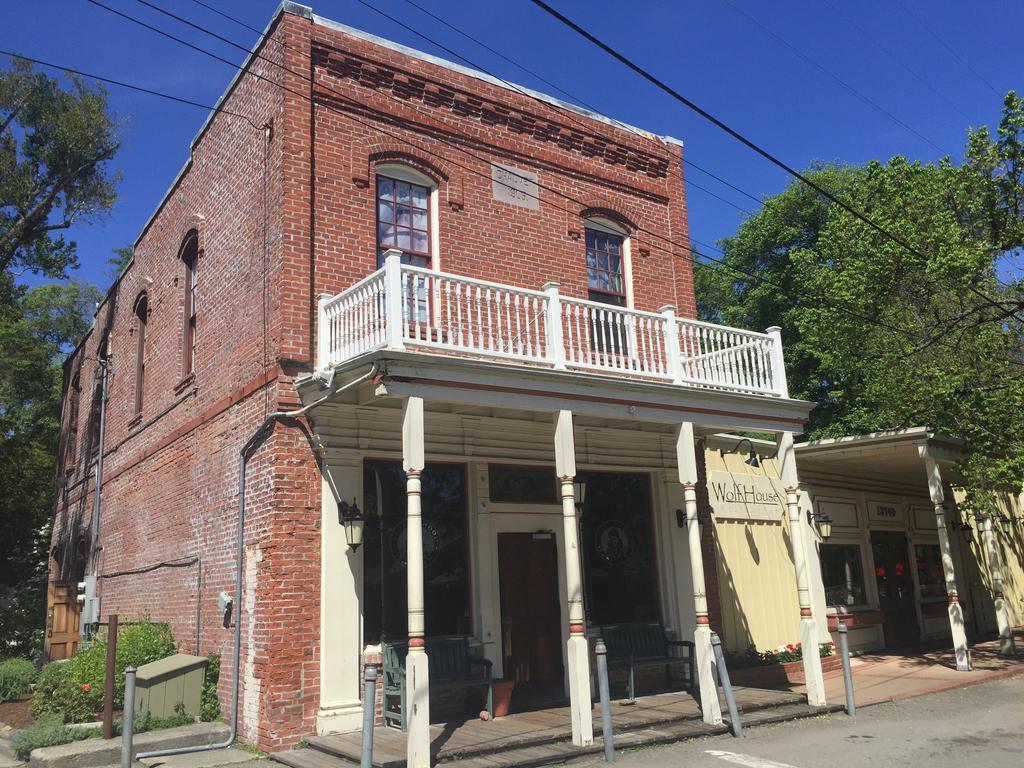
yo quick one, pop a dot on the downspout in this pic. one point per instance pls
(244, 455)
(84, 629)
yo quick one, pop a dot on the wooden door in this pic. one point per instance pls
(895, 588)
(61, 638)
(530, 616)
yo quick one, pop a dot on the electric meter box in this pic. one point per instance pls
(161, 686)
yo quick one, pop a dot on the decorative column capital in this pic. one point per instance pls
(577, 629)
(689, 486)
(795, 490)
(416, 641)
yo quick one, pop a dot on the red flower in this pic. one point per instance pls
(85, 687)
(790, 648)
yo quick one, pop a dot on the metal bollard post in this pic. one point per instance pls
(601, 651)
(128, 719)
(723, 678)
(844, 651)
(369, 708)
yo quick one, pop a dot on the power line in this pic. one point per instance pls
(129, 86)
(530, 72)
(357, 105)
(892, 55)
(829, 73)
(750, 144)
(949, 48)
(550, 84)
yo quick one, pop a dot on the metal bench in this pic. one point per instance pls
(642, 645)
(450, 665)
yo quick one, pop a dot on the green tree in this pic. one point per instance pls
(882, 337)
(36, 330)
(55, 149)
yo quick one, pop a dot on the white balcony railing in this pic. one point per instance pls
(401, 306)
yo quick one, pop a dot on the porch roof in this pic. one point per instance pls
(893, 454)
(496, 386)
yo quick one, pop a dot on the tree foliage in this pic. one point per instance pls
(36, 329)
(880, 336)
(55, 149)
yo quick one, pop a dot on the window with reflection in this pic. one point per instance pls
(618, 548)
(403, 220)
(445, 551)
(606, 283)
(930, 577)
(842, 573)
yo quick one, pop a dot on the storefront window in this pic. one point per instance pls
(842, 574)
(618, 553)
(445, 556)
(929, 570)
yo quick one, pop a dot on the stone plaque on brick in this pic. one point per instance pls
(515, 186)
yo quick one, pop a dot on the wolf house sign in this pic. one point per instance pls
(746, 497)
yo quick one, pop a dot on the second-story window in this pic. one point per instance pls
(606, 280)
(141, 316)
(190, 257)
(606, 283)
(74, 398)
(403, 220)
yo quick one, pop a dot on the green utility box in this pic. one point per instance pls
(161, 686)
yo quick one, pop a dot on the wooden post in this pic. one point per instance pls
(1007, 646)
(809, 640)
(394, 300)
(108, 681)
(672, 361)
(704, 656)
(417, 699)
(955, 610)
(556, 343)
(778, 362)
(577, 652)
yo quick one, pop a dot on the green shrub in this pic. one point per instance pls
(209, 707)
(16, 678)
(48, 731)
(76, 691)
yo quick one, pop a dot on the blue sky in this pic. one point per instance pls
(935, 78)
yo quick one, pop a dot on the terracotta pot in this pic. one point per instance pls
(502, 693)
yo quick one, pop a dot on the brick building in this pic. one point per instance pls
(482, 300)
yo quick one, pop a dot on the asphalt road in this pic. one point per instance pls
(977, 727)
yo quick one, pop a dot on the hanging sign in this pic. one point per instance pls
(745, 497)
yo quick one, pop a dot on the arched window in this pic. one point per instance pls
(406, 214)
(74, 398)
(607, 246)
(189, 255)
(141, 315)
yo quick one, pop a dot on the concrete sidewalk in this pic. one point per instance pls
(894, 675)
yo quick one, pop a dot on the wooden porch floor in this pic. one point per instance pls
(542, 736)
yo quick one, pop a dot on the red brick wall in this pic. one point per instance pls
(282, 218)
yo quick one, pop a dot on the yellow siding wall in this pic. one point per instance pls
(1010, 542)
(757, 582)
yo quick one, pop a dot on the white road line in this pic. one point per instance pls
(748, 760)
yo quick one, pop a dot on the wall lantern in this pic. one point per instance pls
(353, 520)
(965, 529)
(680, 518)
(824, 523)
(579, 490)
(753, 459)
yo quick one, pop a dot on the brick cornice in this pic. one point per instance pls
(491, 113)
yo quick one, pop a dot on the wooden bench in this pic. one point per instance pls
(643, 645)
(450, 666)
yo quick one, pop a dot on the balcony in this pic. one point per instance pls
(402, 307)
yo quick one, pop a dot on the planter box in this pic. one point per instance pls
(782, 675)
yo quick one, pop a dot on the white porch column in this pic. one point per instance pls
(577, 652)
(341, 641)
(809, 639)
(995, 573)
(956, 611)
(704, 656)
(417, 679)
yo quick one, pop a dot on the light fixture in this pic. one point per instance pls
(579, 490)
(964, 527)
(680, 518)
(753, 459)
(824, 523)
(352, 519)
